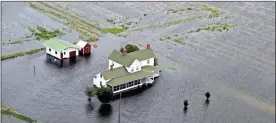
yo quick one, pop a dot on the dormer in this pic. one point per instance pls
(134, 67)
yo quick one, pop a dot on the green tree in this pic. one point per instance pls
(104, 94)
(130, 48)
(90, 92)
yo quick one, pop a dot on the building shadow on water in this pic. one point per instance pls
(61, 63)
(105, 110)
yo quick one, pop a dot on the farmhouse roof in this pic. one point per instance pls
(129, 58)
(129, 77)
(117, 72)
(81, 43)
(58, 44)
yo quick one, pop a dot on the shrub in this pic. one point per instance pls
(104, 94)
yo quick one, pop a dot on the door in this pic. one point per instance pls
(61, 55)
(72, 54)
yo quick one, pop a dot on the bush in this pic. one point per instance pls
(104, 94)
(130, 48)
(90, 92)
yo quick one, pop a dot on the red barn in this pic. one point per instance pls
(85, 48)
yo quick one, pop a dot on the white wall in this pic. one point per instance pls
(52, 52)
(97, 81)
(145, 62)
(66, 55)
(134, 65)
(116, 65)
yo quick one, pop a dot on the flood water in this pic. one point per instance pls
(237, 68)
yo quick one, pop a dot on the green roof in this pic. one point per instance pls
(117, 72)
(142, 54)
(128, 59)
(58, 44)
(128, 78)
(121, 59)
(149, 68)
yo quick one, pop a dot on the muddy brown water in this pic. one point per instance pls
(237, 68)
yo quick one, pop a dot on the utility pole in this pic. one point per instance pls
(34, 69)
(119, 109)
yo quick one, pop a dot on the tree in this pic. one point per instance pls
(155, 61)
(207, 94)
(130, 48)
(104, 94)
(186, 103)
(90, 92)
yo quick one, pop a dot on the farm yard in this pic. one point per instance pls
(226, 48)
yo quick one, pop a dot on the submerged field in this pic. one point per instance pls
(226, 48)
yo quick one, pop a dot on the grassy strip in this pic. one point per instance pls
(115, 30)
(15, 42)
(73, 16)
(180, 41)
(9, 111)
(172, 68)
(216, 27)
(21, 54)
(84, 31)
(180, 10)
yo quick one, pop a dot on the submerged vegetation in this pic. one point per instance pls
(104, 94)
(180, 10)
(42, 33)
(12, 112)
(172, 68)
(215, 27)
(177, 40)
(29, 52)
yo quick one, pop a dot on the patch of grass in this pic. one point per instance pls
(42, 33)
(214, 12)
(15, 42)
(180, 41)
(115, 30)
(162, 39)
(12, 112)
(175, 11)
(168, 37)
(110, 20)
(172, 68)
(14, 55)
(215, 27)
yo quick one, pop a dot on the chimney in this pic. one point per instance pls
(111, 67)
(148, 46)
(125, 52)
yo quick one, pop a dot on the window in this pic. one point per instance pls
(116, 88)
(129, 84)
(101, 75)
(132, 69)
(50, 49)
(122, 86)
(64, 53)
(95, 77)
(56, 52)
(101, 83)
(136, 82)
(137, 67)
(148, 61)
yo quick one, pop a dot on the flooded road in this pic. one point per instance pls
(237, 67)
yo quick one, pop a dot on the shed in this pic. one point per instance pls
(61, 49)
(84, 48)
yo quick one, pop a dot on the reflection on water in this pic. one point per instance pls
(105, 110)
(206, 104)
(89, 108)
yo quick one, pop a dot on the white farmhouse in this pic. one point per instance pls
(128, 70)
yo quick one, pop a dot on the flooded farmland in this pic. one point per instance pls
(225, 48)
